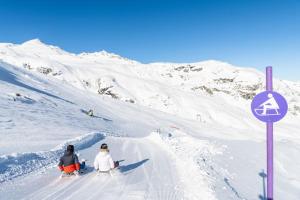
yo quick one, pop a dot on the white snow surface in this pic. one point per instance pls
(182, 130)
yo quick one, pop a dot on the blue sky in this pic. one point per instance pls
(253, 33)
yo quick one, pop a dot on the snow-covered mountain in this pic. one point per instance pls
(157, 85)
(196, 113)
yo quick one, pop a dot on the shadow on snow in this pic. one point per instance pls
(263, 175)
(9, 77)
(127, 168)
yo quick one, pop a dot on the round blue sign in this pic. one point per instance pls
(269, 106)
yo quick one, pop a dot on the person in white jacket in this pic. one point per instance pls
(103, 161)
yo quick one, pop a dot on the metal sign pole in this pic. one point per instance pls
(269, 87)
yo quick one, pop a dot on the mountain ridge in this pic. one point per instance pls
(152, 85)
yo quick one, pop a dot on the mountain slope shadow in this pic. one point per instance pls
(126, 168)
(10, 77)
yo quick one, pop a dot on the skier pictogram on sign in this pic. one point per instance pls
(269, 107)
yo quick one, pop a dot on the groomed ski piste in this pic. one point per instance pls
(173, 142)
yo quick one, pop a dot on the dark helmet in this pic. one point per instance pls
(70, 148)
(104, 146)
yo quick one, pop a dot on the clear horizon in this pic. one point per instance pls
(243, 33)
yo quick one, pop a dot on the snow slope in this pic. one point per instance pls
(148, 173)
(158, 85)
(184, 131)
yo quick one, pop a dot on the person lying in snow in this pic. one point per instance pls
(69, 163)
(103, 162)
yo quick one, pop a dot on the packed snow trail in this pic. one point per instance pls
(146, 172)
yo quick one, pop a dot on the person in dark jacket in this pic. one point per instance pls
(69, 163)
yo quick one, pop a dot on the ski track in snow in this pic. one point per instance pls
(197, 183)
(147, 173)
(192, 175)
(195, 163)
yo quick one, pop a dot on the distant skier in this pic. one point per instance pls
(103, 162)
(90, 113)
(69, 163)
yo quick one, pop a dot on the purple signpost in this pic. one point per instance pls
(269, 87)
(269, 107)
